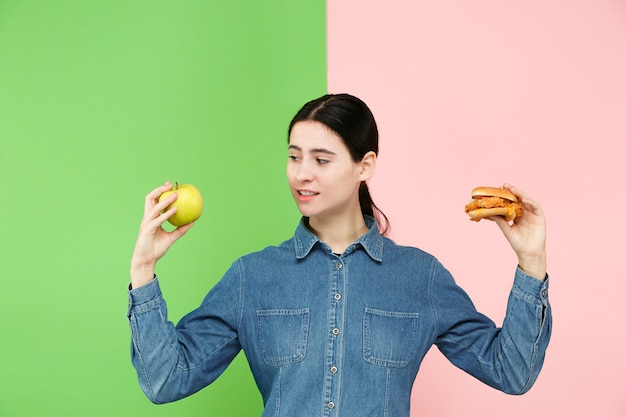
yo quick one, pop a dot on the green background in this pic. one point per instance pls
(100, 102)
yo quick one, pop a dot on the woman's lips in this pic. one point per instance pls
(306, 195)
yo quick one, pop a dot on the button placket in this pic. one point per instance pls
(334, 344)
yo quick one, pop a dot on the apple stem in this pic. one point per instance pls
(176, 185)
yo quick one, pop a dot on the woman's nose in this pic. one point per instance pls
(304, 172)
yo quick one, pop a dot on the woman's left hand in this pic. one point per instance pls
(527, 235)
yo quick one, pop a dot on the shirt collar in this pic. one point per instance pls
(371, 241)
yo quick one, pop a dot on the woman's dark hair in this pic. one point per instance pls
(350, 118)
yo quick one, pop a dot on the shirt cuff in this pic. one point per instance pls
(529, 288)
(144, 295)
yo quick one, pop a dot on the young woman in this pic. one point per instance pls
(336, 320)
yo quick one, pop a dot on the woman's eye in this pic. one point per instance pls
(322, 161)
(293, 157)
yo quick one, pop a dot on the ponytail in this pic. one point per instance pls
(368, 208)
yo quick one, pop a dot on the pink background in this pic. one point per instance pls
(485, 92)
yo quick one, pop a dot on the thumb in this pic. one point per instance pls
(180, 231)
(504, 225)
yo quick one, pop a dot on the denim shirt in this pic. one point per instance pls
(336, 335)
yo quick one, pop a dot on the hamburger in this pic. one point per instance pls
(492, 201)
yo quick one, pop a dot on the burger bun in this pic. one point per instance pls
(479, 192)
(483, 213)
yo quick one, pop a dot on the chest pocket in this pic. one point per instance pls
(389, 338)
(283, 335)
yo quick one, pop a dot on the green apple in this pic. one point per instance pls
(189, 204)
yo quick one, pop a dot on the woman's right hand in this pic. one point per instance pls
(153, 241)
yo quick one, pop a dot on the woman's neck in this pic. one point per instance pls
(338, 232)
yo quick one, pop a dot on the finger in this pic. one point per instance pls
(154, 220)
(531, 206)
(156, 208)
(164, 215)
(521, 195)
(526, 200)
(153, 196)
(157, 216)
(160, 207)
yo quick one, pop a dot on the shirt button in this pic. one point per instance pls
(337, 296)
(544, 293)
(331, 405)
(335, 331)
(339, 265)
(333, 370)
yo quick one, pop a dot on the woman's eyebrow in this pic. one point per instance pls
(314, 150)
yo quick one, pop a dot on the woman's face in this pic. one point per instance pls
(323, 178)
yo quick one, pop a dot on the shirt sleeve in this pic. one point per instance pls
(508, 358)
(174, 361)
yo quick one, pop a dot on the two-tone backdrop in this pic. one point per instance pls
(102, 101)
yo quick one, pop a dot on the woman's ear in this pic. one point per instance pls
(367, 165)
